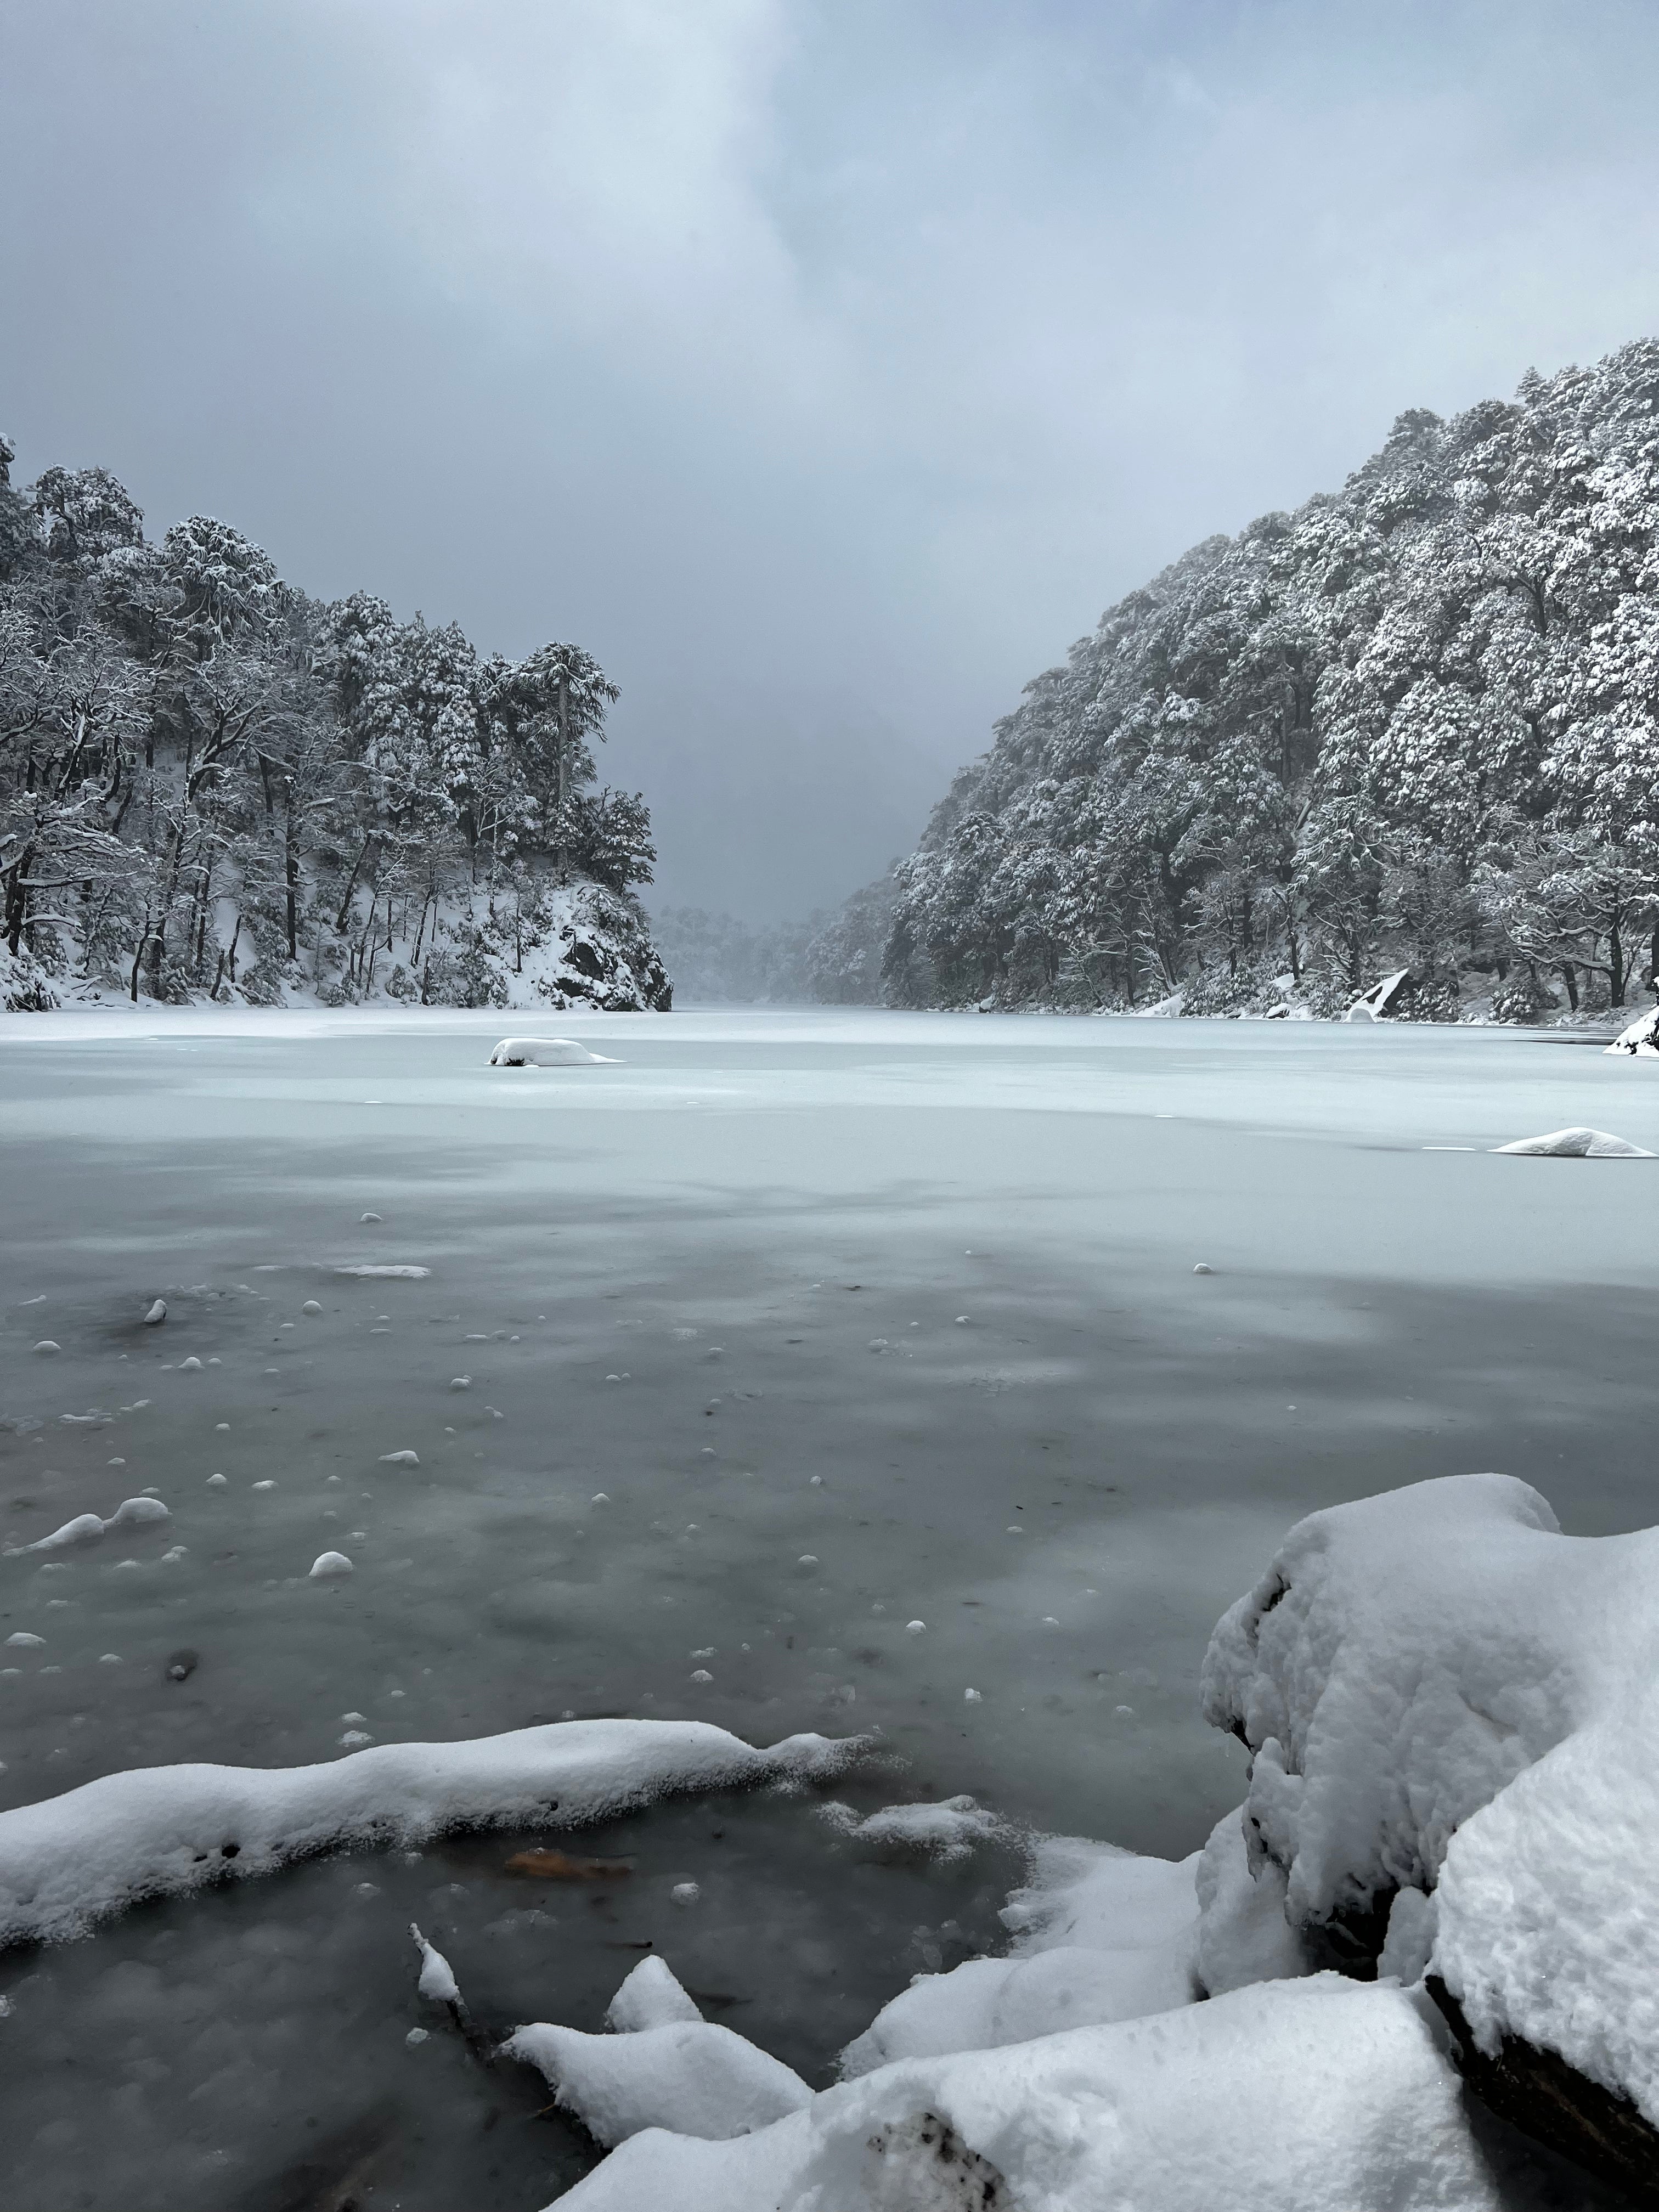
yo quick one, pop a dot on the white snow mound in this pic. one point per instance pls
(1445, 1694)
(1575, 1144)
(437, 1980)
(88, 1528)
(411, 1274)
(947, 1831)
(689, 2075)
(1641, 1040)
(1321, 2095)
(163, 1831)
(1100, 1935)
(649, 1997)
(547, 1052)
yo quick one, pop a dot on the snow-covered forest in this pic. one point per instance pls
(1413, 725)
(831, 959)
(213, 784)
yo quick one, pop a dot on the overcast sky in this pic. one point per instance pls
(825, 369)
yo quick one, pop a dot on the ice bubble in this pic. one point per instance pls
(400, 1459)
(599, 1498)
(225, 1425)
(1048, 1621)
(157, 1314)
(1127, 1712)
(460, 1381)
(701, 1675)
(972, 1698)
(807, 1560)
(370, 1217)
(20, 1639)
(353, 1720)
(816, 1481)
(171, 1559)
(685, 1893)
(116, 1462)
(416, 2036)
(268, 1484)
(215, 1482)
(192, 1366)
(328, 1565)
(47, 1347)
(181, 1665)
(1014, 1530)
(961, 1319)
(915, 1627)
(707, 1652)
(1200, 1269)
(613, 1378)
(353, 1739)
(110, 1659)
(311, 1306)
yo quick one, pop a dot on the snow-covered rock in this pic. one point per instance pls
(1445, 1695)
(691, 2076)
(1641, 1040)
(1318, 2095)
(164, 1831)
(1384, 1000)
(1576, 1144)
(545, 1051)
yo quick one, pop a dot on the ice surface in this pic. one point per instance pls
(166, 1830)
(1318, 2095)
(1577, 1144)
(1132, 1421)
(545, 1051)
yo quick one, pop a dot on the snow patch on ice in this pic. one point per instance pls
(547, 1052)
(1576, 1144)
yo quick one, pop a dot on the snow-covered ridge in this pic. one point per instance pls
(163, 1831)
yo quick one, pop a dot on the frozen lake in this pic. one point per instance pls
(855, 1320)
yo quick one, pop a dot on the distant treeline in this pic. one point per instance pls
(1412, 725)
(210, 782)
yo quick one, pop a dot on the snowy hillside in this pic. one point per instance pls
(1409, 726)
(212, 786)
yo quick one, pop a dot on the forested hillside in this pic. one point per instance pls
(831, 959)
(1411, 726)
(211, 783)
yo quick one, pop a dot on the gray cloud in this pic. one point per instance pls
(824, 368)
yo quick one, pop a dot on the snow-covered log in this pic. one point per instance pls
(544, 1052)
(161, 1830)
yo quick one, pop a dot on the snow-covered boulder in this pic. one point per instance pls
(545, 1051)
(1641, 1040)
(1455, 1723)
(1312, 2096)
(1576, 1144)
(1384, 1001)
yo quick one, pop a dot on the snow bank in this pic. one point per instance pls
(1099, 1934)
(161, 1830)
(1576, 1144)
(546, 1052)
(1315, 2096)
(1641, 1040)
(1445, 1694)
